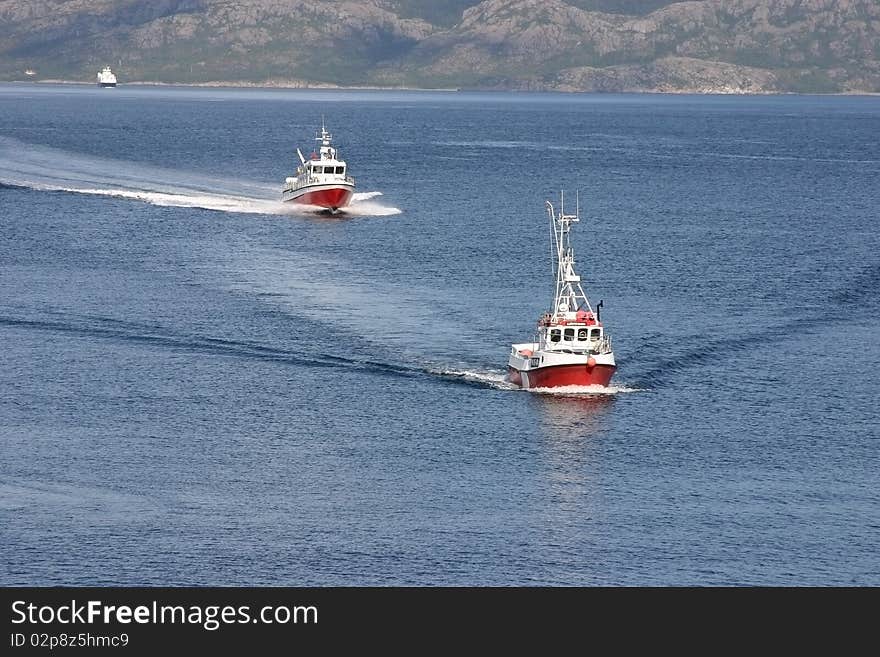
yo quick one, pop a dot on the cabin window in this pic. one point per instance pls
(317, 169)
(569, 334)
(594, 334)
(340, 169)
(582, 334)
(555, 334)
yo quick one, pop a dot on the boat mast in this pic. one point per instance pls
(570, 296)
(327, 151)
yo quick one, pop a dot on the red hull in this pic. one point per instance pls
(563, 375)
(333, 198)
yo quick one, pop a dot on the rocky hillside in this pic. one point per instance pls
(603, 45)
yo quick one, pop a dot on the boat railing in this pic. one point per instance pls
(604, 345)
(313, 180)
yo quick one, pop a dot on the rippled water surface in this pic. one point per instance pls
(201, 386)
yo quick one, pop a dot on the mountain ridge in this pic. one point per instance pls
(719, 46)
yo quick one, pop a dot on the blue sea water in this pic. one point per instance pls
(199, 386)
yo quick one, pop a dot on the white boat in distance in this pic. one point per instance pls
(106, 78)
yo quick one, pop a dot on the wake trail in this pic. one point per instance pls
(161, 337)
(484, 378)
(164, 338)
(44, 168)
(857, 297)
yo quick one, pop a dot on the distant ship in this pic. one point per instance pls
(571, 347)
(30, 72)
(322, 180)
(106, 78)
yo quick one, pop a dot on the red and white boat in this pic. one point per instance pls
(322, 180)
(571, 347)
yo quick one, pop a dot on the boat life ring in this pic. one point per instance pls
(591, 362)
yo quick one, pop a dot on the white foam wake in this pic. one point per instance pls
(364, 196)
(492, 378)
(584, 390)
(362, 205)
(217, 202)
